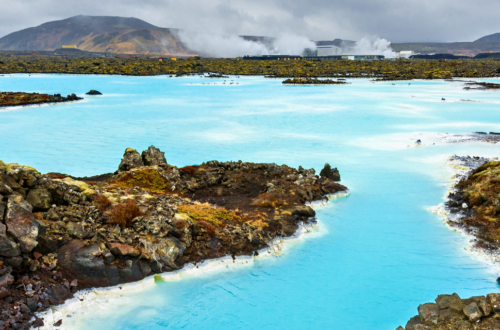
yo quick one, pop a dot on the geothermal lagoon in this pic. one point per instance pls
(374, 255)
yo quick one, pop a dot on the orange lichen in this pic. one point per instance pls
(205, 212)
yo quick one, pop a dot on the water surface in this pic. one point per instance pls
(382, 253)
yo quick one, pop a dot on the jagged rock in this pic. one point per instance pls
(6, 280)
(21, 224)
(428, 313)
(131, 158)
(32, 304)
(306, 211)
(23, 175)
(5, 189)
(93, 92)
(452, 302)
(40, 199)
(121, 250)
(494, 300)
(481, 302)
(421, 327)
(7, 247)
(78, 229)
(472, 311)
(153, 156)
(329, 173)
(412, 323)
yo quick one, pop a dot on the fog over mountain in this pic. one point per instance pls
(397, 21)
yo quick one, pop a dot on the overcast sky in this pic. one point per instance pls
(395, 20)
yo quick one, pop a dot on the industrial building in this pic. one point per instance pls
(328, 50)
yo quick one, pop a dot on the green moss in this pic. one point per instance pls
(205, 212)
(147, 179)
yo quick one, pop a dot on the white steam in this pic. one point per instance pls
(373, 46)
(216, 45)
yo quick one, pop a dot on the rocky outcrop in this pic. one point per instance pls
(131, 158)
(153, 156)
(329, 173)
(59, 234)
(10, 99)
(452, 312)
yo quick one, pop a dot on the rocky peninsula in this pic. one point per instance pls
(473, 207)
(60, 234)
(10, 99)
(312, 81)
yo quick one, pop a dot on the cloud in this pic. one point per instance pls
(397, 21)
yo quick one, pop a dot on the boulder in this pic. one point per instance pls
(84, 262)
(421, 327)
(483, 305)
(452, 302)
(305, 211)
(5, 189)
(121, 250)
(153, 156)
(412, 323)
(6, 281)
(21, 224)
(32, 304)
(131, 158)
(428, 313)
(329, 173)
(8, 248)
(93, 92)
(472, 311)
(23, 175)
(40, 199)
(9, 181)
(494, 301)
(78, 229)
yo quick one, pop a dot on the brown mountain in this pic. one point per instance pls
(97, 34)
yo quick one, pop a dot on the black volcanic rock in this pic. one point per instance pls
(94, 92)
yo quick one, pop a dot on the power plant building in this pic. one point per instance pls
(328, 48)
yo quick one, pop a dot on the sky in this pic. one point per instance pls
(394, 20)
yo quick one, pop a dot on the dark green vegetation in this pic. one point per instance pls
(96, 34)
(382, 70)
(8, 99)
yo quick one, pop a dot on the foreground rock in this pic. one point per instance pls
(452, 312)
(9, 99)
(59, 234)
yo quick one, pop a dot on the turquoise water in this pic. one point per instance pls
(382, 254)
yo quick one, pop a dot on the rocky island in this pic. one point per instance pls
(60, 234)
(10, 99)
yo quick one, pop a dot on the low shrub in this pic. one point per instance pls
(102, 202)
(123, 213)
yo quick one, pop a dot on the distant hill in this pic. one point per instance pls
(455, 48)
(492, 37)
(97, 34)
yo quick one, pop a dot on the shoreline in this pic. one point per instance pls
(90, 297)
(464, 165)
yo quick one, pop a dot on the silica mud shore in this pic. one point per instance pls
(87, 301)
